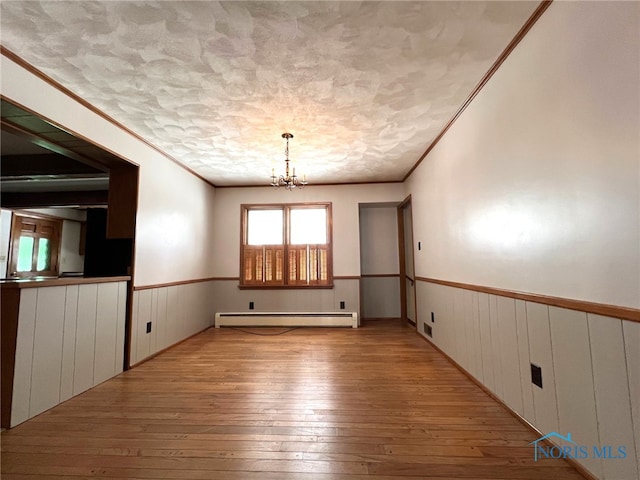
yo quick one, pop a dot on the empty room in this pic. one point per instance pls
(305, 240)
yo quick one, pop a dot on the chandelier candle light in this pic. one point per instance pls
(287, 181)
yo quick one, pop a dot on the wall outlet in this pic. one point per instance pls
(148, 327)
(536, 375)
(342, 305)
(251, 305)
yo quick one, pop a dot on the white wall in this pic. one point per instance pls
(379, 256)
(536, 187)
(174, 221)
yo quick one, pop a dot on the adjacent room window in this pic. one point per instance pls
(35, 243)
(286, 245)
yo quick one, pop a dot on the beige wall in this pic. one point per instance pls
(345, 200)
(590, 368)
(5, 239)
(379, 256)
(174, 222)
(70, 259)
(536, 187)
(346, 246)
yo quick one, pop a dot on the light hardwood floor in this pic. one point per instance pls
(312, 404)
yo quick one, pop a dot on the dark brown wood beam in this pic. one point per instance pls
(47, 164)
(51, 199)
(49, 145)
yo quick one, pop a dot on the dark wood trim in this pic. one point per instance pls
(487, 76)
(346, 277)
(181, 282)
(582, 470)
(123, 201)
(44, 77)
(8, 338)
(379, 275)
(624, 313)
(402, 259)
(405, 202)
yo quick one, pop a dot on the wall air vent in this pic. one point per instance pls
(427, 329)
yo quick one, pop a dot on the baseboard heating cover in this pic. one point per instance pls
(286, 319)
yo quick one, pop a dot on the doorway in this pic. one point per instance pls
(407, 265)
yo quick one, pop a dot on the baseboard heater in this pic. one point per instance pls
(287, 319)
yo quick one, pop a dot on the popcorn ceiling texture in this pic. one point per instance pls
(363, 86)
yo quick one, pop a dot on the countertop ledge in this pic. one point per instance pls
(57, 282)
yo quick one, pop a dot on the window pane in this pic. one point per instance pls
(25, 254)
(308, 225)
(265, 227)
(44, 255)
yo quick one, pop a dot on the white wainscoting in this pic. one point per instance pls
(175, 312)
(70, 338)
(590, 366)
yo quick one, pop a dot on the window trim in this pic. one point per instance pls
(56, 242)
(286, 208)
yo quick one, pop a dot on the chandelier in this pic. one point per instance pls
(288, 181)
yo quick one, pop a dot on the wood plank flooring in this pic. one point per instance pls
(375, 403)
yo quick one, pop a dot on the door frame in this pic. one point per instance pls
(403, 270)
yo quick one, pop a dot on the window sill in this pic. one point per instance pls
(285, 287)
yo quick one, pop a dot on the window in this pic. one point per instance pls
(286, 245)
(35, 243)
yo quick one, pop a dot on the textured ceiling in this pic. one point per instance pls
(363, 86)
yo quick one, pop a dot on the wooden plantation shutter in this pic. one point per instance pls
(293, 263)
(263, 264)
(319, 264)
(297, 265)
(252, 273)
(274, 264)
